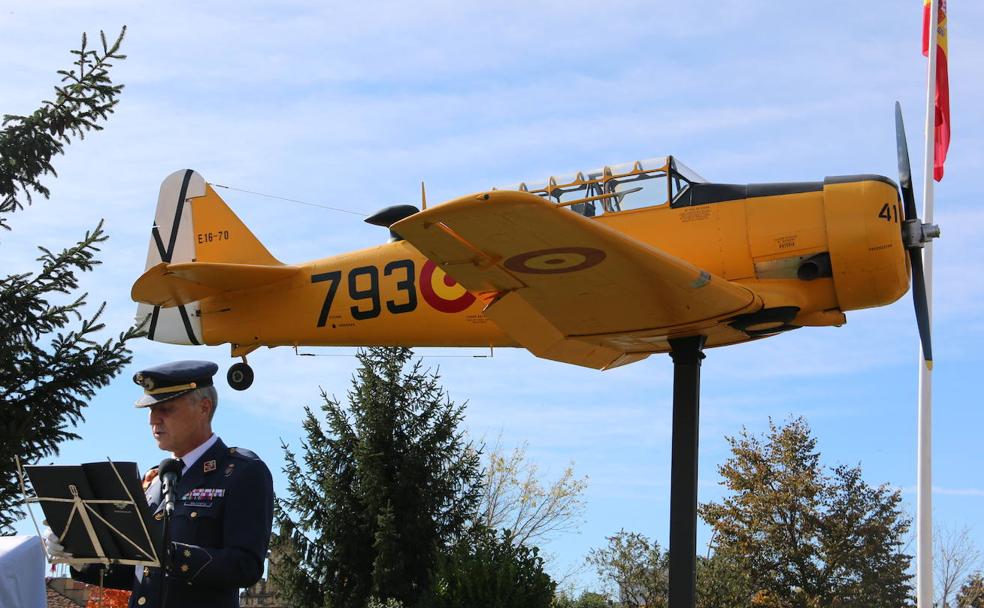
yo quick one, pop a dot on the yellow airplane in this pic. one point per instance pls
(599, 268)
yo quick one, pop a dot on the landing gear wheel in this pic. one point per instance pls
(240, 376)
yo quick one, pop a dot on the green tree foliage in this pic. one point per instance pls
(28, 143)
(50, 362)
(634, 568)
(971, 594)
(722, 581)
(488, 569)
(809, 536)
(378, 603)
(386, 485)
(590, 599)
(587, 599)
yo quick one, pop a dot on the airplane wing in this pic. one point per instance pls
(170, 285)
(567, 287)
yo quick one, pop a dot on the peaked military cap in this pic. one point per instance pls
(171, 380)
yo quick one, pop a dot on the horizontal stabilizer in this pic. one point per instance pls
(170, 285)
(198, 248)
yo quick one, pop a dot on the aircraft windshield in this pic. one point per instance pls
(616, 188)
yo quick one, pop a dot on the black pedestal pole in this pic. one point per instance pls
(686, 354)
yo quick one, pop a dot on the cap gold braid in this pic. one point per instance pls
(170, 389)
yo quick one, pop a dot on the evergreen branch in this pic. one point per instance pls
(28, 143)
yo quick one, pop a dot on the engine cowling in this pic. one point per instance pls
(864, 232)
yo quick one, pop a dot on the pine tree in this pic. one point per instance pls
(50, 362)
(809, 536)
(386, 486)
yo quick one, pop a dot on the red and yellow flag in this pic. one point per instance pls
(942, 131)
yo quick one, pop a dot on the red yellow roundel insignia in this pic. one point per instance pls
(441, 291)
(556, 260)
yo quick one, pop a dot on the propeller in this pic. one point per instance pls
(915, 235)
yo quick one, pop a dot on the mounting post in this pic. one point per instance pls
(687, 354)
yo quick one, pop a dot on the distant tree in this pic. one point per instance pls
(587, 599)
(50, 362)
(972, 592)
(488, 569)
(809, 537)
(634, 568)
(514, 498)
(723, 580)
(955, 557)
(384, 487)
(590, 599)
(636, 571)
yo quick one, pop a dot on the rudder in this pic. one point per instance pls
(193, 224)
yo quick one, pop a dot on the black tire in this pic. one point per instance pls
(240, 376)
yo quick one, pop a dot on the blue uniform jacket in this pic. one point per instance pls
(219, 532)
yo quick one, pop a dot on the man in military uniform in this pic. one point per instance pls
(219, 531)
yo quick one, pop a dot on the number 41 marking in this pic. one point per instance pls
(889, 213)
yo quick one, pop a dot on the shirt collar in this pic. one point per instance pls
(192, 457)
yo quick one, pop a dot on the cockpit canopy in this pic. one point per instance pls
(616, 188)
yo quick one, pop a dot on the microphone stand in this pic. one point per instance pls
(166, 558)
(169, 467)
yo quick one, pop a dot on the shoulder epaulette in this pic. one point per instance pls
(243, 453)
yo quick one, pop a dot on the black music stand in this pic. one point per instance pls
(98, 511)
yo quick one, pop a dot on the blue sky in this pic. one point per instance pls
(353, 104)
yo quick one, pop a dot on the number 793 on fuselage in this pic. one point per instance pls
(599, 268)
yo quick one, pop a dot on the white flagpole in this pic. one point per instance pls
(924, 468)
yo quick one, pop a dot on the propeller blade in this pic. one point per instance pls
(905, 171)
(919, 298)
(921, 303)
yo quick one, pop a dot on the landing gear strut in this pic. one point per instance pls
(687, 354)
(240, 375)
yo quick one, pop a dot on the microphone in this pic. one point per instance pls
(170, 473)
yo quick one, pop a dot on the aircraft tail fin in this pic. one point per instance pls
(192, 224)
